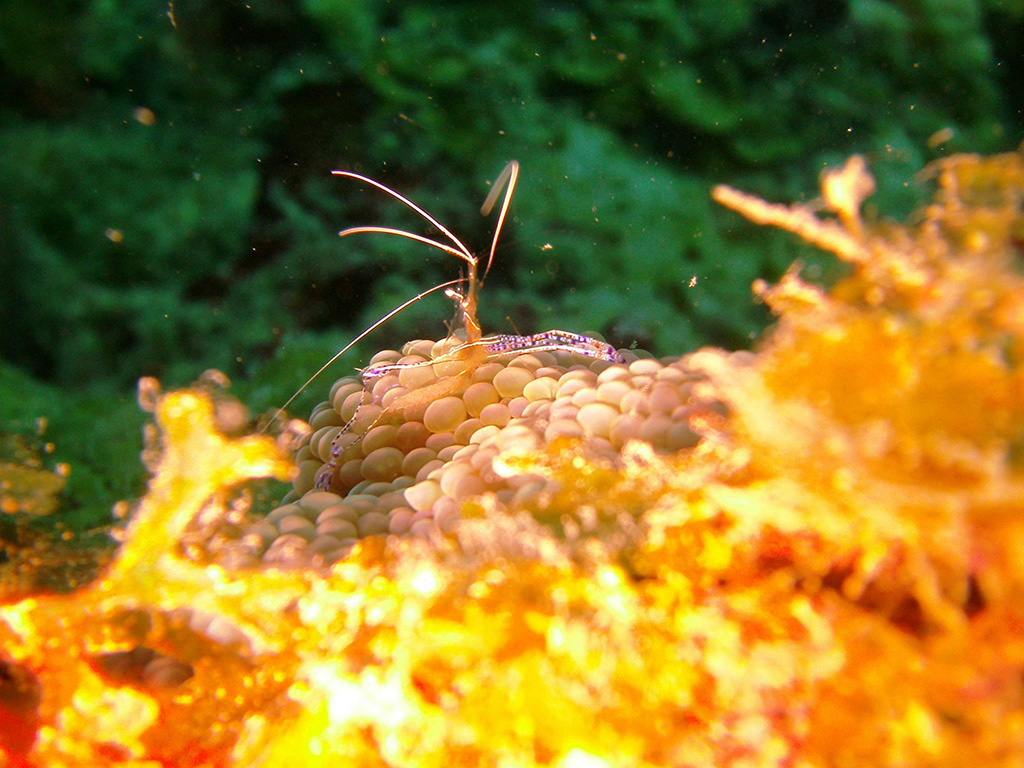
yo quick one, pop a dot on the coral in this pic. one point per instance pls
(411, 472)
(828, 575)
(35, 545)
(26, 486)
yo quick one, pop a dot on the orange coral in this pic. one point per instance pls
(828, 577)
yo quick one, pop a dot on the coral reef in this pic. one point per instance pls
(36, 549)
(412, 472)
(822, 570)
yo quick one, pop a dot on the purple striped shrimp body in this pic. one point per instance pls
(551, 341)
(500, 345)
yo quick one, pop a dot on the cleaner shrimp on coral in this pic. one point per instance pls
(399, 389)
(402, 446)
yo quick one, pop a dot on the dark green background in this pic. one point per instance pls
(208, 238)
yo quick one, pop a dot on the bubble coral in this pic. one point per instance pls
(825, 573)
(410, 473)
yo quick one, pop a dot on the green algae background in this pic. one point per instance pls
(166, 204)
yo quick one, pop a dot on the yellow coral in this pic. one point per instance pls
(829, 576)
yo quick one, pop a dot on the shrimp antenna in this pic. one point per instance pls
(508, 177)
(359, 338)
(460, 250)
(468, 299)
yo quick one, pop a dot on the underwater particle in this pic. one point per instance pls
(144, 116)
(940, 137)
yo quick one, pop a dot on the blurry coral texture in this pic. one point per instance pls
(830, 575)
(790, 533)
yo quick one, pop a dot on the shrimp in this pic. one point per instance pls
(452, 371)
